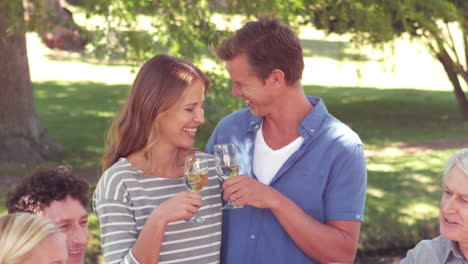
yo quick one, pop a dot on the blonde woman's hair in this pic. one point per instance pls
(20, 233)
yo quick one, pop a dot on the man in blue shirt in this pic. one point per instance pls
(302, 175)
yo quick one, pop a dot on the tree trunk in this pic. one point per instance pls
(22, 138)
(452, 73)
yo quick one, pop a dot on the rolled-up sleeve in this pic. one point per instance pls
(346, 189)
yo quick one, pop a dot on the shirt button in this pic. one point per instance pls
(252, 236)
(312, 130)
(358, 217)
(256, 126)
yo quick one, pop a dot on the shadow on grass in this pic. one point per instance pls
(78, 114)
(402, 200)
(385, 116)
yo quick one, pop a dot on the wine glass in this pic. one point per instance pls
(227, 160)
(195, 178)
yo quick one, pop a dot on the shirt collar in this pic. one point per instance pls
(309, 126)
(452, 247)
(456, 250)
(254, 122)
(313, 121)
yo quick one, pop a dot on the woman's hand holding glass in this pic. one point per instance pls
(227, 158)
(181, 206)
(195, 178)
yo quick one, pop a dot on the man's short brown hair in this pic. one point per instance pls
(36, 192)
(269, 45)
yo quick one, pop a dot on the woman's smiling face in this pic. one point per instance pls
(178, 125)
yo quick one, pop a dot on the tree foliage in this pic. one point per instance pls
(179, 27)
(434, 23)
(186, 28)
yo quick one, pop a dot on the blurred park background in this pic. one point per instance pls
(394, 71)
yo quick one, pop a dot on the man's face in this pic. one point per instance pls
(255, 93)
(72, 219)
(453, 218)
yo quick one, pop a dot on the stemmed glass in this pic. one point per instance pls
(195, 178)
(227, 159)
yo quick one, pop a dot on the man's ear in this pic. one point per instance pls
(276, 78)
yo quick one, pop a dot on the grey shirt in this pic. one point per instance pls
(123, 200)
(436, 251)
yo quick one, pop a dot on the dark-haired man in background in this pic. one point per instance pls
(59, 197)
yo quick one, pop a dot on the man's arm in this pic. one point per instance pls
(334, 241)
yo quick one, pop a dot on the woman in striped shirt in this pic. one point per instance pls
(141, 200)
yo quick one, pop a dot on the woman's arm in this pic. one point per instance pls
(148, 245)
(120, 240)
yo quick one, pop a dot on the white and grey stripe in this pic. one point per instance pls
(123, 200)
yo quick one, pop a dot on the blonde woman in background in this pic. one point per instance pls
(27, 238)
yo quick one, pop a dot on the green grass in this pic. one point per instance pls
(93, 253)
(386, 116)
(402, 199)
(78, 115)
(3, 209)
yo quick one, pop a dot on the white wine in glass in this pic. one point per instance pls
(227, 158)
(195, 178)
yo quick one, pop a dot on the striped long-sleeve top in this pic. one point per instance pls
(123, 200)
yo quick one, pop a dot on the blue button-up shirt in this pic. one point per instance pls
(326, 177)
